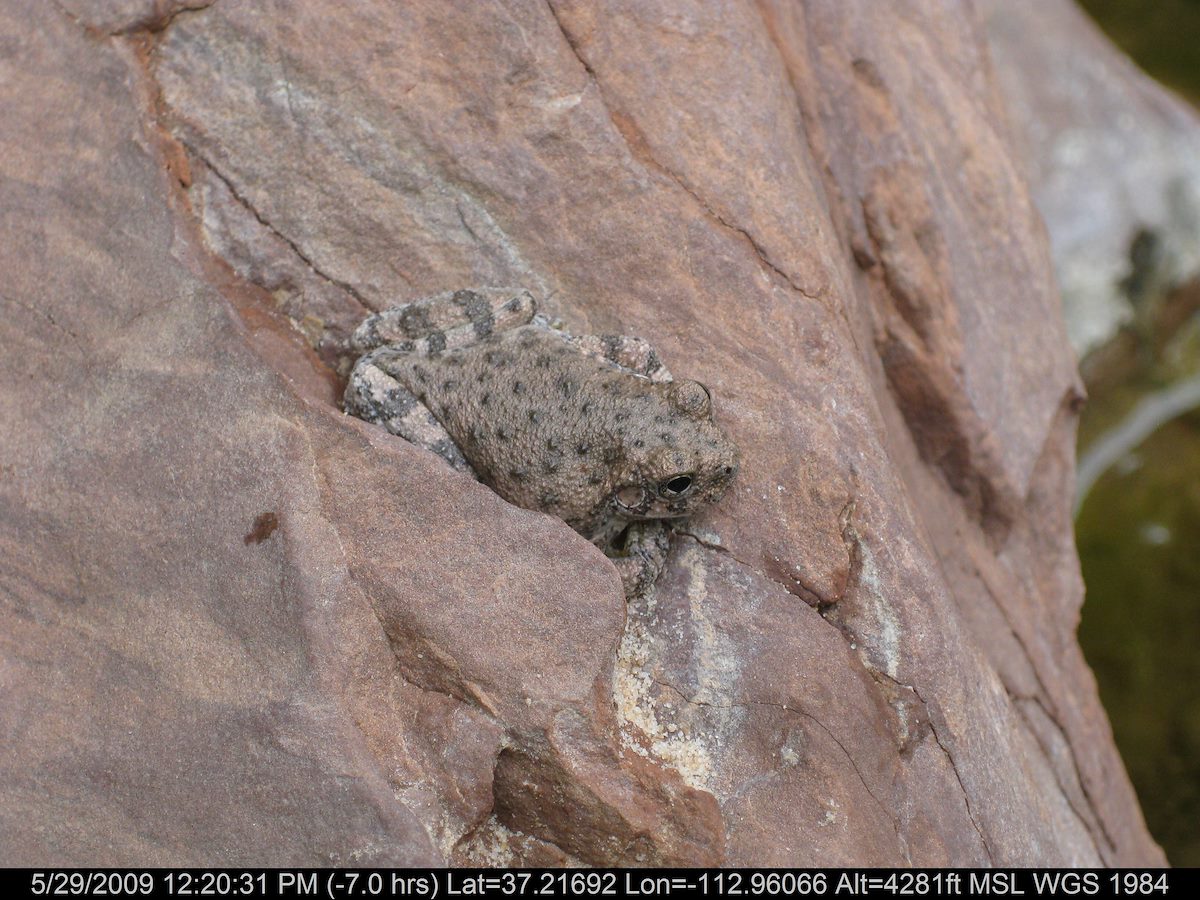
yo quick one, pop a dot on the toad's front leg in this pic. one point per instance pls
(634, 354)
(640, 553)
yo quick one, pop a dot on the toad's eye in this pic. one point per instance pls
(675, 485)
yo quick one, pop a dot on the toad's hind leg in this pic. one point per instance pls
(634, 354)
(374, 395)
(445, 321)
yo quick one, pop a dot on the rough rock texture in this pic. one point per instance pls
(1111, 156)
(239, 627)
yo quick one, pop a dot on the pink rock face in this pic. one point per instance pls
(864, 655)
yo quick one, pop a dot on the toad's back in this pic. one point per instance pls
(549, 427)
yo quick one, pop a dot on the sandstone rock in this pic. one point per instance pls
(240, 627)
(1111, 157)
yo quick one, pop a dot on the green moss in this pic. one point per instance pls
(1137, 534)
(1162, 36)
(1139, 531)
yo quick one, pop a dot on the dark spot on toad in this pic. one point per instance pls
(414, 320)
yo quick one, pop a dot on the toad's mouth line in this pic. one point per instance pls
(649, 514)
